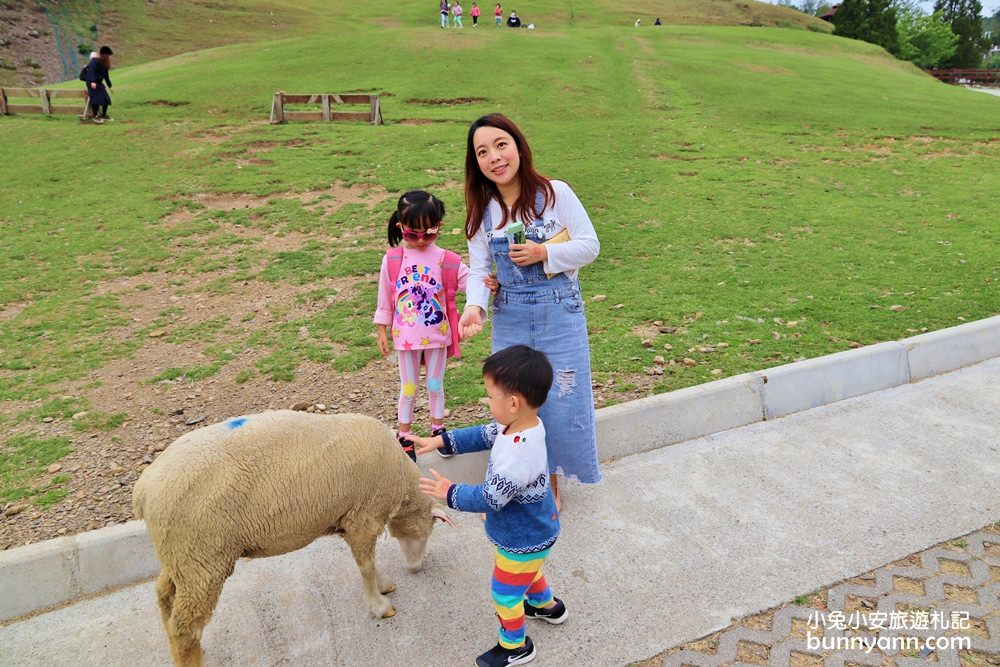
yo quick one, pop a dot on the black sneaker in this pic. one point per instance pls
(436, 432)
(498, 656)
(554, 615)
(407, 446)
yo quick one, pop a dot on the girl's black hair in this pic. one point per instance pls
(417, 210)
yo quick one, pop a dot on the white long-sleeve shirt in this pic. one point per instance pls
(566, 213)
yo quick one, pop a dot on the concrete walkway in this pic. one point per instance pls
(673, 545)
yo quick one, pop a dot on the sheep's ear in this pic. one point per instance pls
(440, 515)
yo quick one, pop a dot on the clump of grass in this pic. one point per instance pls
(25, 457)
(99, 421)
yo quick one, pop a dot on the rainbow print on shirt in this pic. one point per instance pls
(416, 298)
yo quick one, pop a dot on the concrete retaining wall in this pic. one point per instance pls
(55, 571)
(51, 572)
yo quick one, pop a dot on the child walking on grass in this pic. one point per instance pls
(416, 299)
(521, 516)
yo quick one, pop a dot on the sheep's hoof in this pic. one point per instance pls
(388, 587)
(390, 613)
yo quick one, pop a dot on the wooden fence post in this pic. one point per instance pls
(3, 102)
(43, 94)
(277, 109)
(326, 107)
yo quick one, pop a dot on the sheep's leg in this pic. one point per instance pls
(165, 591)
(362, 540)
(193, 607)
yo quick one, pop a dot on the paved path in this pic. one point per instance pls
(674, 545)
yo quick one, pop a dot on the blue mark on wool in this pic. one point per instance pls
(434, 384)
(236, 423)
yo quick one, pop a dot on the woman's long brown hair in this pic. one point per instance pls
(479, 189)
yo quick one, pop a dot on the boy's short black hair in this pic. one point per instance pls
(522, 370)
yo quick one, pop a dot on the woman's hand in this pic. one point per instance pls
(93, 86)
(383, 341)
(437, 487)
(528, 253)
(471, 322)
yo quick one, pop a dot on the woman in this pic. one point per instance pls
(538, 300)
(96, 75)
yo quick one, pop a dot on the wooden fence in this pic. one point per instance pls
(42, 101)
(325, 101)
(972, 77)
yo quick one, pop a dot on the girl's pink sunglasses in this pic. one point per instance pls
(428, 234)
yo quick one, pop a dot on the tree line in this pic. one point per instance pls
(954, 36)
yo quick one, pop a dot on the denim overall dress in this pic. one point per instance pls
(547, 314)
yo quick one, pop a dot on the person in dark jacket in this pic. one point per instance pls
(513, 21)
(96, 76)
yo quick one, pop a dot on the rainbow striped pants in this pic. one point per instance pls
(516, 577)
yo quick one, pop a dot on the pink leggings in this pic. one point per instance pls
(409, 377)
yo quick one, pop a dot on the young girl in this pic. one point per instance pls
(456, 9)
(416, 297)
(498, 15)
(474, 13)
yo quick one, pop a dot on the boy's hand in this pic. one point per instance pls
(424, 445)
(437, 487)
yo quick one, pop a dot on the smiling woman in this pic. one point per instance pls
(537, 299)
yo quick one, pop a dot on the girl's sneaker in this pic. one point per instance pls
(554, 615)
(498, 656)
(436, 432)
(407, 446)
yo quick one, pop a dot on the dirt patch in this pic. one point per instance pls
(230, 201)
(216, 135)
(766, 69)
(421, 121)
(166, 103)
(456, 101)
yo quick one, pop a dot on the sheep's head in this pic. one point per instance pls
(412, 525)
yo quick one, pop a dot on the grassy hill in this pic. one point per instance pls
(774, 194)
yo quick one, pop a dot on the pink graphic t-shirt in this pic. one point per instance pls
(413, 304)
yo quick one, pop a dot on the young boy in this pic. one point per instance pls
(521, 516)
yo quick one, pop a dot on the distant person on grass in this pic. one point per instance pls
(456, 10)
(474, 13)
(498, 15)
(444, 13)
(96, 75)
(513, 21)
(521, 517)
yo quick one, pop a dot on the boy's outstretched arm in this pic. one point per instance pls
(424, 445)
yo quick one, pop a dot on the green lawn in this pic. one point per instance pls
(773, 190)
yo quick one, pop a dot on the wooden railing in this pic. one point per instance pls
(972, 77)
(325, 101)
(41, 101)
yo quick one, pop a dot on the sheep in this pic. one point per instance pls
(270, 483)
